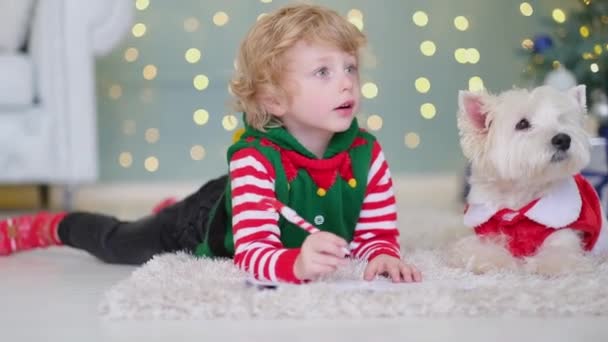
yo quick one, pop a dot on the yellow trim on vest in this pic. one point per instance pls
(237, 135)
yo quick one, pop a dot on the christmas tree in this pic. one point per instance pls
(577, 41)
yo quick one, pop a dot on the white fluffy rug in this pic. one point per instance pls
(179, 286)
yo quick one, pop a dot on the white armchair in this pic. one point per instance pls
(48, 123)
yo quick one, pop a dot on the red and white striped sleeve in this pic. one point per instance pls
(258, 248)
(376, 231)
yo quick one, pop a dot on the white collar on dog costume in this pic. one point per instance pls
(558, 208)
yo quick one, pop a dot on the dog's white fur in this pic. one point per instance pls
(510, 168)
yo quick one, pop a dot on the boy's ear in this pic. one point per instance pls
(273, 104)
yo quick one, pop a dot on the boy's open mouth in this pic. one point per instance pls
(346, 105)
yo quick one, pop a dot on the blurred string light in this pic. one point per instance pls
(151, 164)
(464, 56)
(201, 82)
(192, 55)
(129, 127)
(559, 15)
(461, 23)
(220, 18)
(142, 4)
(152, 135)
(200, 117)
(125, 159)
(191, 24)
(476, 83)
(369, 90)
(473, 55)
(139, 30)
(428, 48)
(229, 122)
(131, 54)
(355, 13)
(423, 85)
(355, 17)
(597, 48)
(146, 95)
(150, 71)
(420, 18)
(526, 9)
(197, 152)
(115, 91)
(428, 111)
(412, 140)
(374, 122)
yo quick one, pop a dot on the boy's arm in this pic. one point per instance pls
(258, 249)
(376, 231)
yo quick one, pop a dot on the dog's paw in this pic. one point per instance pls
(553, 262)
(561, 253)
(480, 257)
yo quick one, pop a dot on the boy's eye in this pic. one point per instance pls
(323, 72)
(351, 68)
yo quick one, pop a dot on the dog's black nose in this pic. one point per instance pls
(561, 141)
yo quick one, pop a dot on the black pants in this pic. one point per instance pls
(180, 227)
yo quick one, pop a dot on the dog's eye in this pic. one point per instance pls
(523, 124)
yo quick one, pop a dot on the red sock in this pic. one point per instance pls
(163, 204)
(29, 231)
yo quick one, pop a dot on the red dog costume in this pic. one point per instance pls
(572, 204)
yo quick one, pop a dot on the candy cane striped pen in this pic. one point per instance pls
(291, 215)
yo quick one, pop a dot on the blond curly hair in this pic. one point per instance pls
(260, 64)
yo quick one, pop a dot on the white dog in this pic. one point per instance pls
(528, 205)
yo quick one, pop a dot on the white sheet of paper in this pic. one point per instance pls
(380, 284)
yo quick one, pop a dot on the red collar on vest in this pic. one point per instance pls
(560, 206)
(323, 172)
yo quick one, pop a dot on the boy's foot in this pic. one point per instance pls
(29, 231)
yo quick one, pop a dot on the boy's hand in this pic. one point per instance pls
(393, 268)
(321, 254)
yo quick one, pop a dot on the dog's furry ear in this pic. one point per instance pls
(471, 110)
(579, 93)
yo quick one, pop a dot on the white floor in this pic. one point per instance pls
(52, 295)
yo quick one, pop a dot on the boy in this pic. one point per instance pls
(297, 83)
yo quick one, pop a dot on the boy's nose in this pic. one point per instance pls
(347, 83)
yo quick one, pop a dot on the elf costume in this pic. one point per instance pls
(348, 192)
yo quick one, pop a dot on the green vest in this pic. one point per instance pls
(334, 207)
